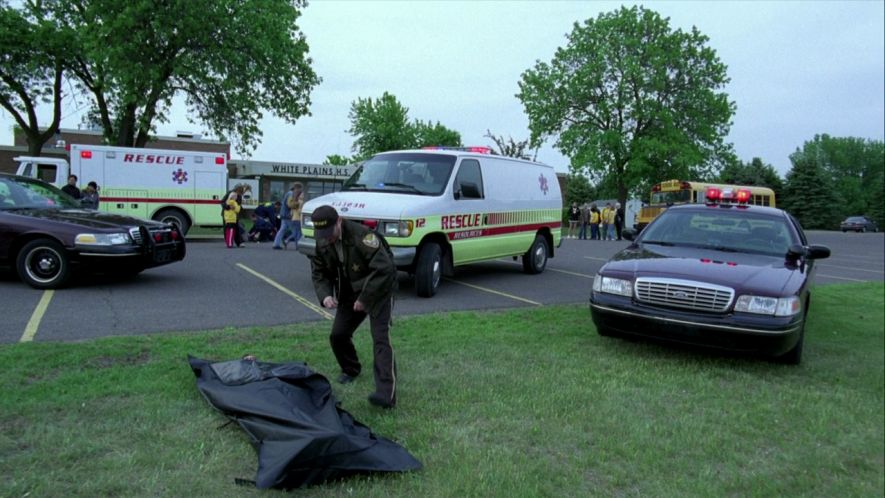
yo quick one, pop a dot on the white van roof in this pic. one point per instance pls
(462, 152)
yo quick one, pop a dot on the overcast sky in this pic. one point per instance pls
(797, 69)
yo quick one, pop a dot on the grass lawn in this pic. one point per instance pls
(521, 403)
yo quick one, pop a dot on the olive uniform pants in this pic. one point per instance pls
(346, 322)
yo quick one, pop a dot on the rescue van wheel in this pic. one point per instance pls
(173, 217)
(428, 270)
(43, 264)
(535, 260)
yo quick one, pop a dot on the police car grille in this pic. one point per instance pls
(699, 296)
(136, 234)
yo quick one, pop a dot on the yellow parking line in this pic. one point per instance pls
(551, 269)
(511, 296)
(325, 314)
(854, 268)
(34, 322)
(841, 278)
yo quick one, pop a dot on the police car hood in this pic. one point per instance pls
(750, 273)
(372, 205)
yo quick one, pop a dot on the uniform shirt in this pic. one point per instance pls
(361, 261)
(72, 191)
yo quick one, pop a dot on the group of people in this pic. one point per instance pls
(279, 222)
(605, 224)
(88, 197)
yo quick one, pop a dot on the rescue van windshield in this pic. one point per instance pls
(405, 173)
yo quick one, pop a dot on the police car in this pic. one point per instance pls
(444, 207)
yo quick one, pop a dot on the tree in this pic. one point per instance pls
(383, 124)
(229, 59)
(630, 98)
(510, 147)
(755, 173)
(855, 168)
(807, 194)
(578, 189)
(427, 135)
(337, 160)
(379, 125)
(31, 71)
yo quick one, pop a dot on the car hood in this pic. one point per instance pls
(746, 273)
(372, 205)
(87, 218)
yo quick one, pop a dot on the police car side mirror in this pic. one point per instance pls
(817, 252)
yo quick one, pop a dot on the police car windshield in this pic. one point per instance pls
(18, 193)
(721, 229)
(404, 173)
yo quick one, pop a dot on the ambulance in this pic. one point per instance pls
(183, 188)
(439, 208)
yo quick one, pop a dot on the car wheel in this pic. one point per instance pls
(428, 270)
(535, 260)
(172, 217)
(43, 264)
(844, 230)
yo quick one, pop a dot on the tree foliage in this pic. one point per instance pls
(579, 189)
(32, 54)
(511, 147)
(807, 194)
(383, 124)
(857, 169)
(631, 99)
(755, 173)
(229, 59)
(337, 160)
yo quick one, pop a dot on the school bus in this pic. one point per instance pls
(672, 192)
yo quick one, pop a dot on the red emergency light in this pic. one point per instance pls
(373, 224)
(714, 194)
(86, 154)
(219, 160)
(743, 196)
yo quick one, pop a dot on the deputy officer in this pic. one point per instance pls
(353, 272)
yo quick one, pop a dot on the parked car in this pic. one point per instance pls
(45, 236)
(721, 275)
(859, 224)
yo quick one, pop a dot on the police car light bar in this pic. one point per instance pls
(714, 195)
(477, 149)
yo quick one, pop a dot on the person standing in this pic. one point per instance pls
(585, 219)
(619, 219)
(231, 221)
(594, 222)
(574, 216)
(285, 220)
(603, 232)
(296, 202)
(90, 197)
(353, 273)
(71, 188)
(610, 223)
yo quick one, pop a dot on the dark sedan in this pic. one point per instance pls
(45, 235)
(859, 224)
(719, 274)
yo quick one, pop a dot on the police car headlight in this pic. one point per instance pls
(612, 286)
(397, 228)
(102, 239)
(785, 306)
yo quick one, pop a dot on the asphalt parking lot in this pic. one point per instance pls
(216, 287)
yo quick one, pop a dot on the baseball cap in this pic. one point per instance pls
(324, 219)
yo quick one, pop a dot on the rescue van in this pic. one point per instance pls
(440, 208)
(183, 188)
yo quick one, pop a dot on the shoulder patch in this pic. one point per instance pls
(370, 240)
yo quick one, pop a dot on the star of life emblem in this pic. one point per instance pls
(542, 183)
(179, 176)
